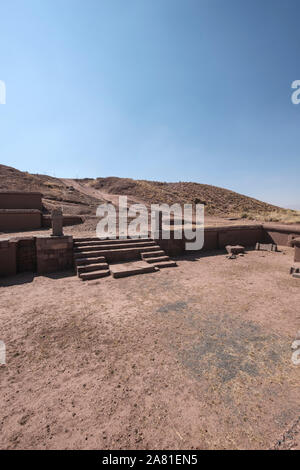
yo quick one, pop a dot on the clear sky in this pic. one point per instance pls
(170, 90)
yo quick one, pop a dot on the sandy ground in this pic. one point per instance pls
(193, 357)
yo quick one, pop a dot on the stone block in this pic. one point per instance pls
(266, 247)
(235, 249)
(295, 269)
(57, 222)
(54, 254)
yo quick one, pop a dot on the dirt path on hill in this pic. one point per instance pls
(97, 193)
(114, 199)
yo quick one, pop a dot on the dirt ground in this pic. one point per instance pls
(193, 357)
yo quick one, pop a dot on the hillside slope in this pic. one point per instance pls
(55, 191)
(82, 196)
(217, 201)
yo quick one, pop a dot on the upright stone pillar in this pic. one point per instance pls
(57, 223)
(296, 243)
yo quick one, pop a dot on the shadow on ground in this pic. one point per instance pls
(18, 279)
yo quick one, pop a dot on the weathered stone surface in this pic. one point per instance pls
(67, 220)
(26, 254)
(129, 269)
(15, 220)
(54, 254)
(57, 222)
(238, 235)
(235, 249)
(296, 243)
(8, 264)
(20, 200)
(295, 269)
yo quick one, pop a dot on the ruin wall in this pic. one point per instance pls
(20, 200)
(14, 220)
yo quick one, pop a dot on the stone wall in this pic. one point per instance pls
(14, 220)
(216, 238)
(67, 220)
(172, 247)
(36, 254)
(296, 244)
(50, 254)
(8, 264)
(20, 200)
(246, 235)
(26, 254)
(281, 234)
(54, 254)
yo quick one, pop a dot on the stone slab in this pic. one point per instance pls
(129, 269)
(266, 247)
(235, 249)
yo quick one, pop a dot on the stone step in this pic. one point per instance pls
(130, 269)
(114, 247)
(84, 261)
(94, 275)
(86, 268)
(152, 254)
(86, 239)
(114, 254)
(165, 264)
(296, 275)
(96, 242)
(157, 259)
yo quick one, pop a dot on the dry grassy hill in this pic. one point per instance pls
(218, 201)
(86, 194)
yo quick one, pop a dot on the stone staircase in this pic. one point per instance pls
(93, 256)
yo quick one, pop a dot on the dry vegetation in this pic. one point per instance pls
(284, 216)
(217, 201)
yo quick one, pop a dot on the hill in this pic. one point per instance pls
(82, 196)
(218, 202)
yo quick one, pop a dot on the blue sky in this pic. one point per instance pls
(170, 90)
